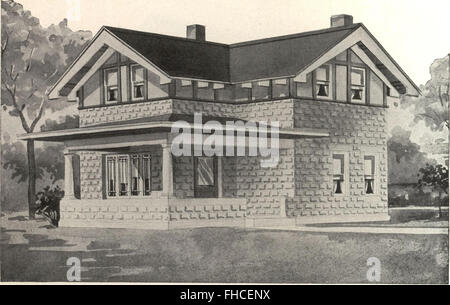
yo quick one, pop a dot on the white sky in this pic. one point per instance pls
(414, 32)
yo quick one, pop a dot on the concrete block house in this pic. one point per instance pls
(328, 89)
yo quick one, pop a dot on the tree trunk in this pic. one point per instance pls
(31, 179)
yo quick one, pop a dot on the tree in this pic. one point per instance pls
(404, 157)
(432, 105)
(436, 177)
(32, 58)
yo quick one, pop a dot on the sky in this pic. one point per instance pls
(413, 32)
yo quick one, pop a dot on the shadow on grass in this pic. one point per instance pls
(216, 255)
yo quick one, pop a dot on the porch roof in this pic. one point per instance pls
(151, 127)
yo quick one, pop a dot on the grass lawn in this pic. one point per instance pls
(32, 251)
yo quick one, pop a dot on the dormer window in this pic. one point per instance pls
(358, 85)
(137, 82)
(323, 82)
(111, 86)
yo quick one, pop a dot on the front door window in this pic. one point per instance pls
(205, 174)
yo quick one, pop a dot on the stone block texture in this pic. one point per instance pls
(353, 129)
(300, 185)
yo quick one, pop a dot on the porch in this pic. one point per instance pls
(129, 178)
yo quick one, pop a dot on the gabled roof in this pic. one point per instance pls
(179, 57)
(258, 59)
(283, 56)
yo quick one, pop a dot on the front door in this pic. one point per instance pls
(205, 177)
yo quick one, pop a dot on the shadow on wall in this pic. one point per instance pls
(407, 194)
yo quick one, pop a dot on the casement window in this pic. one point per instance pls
(128, 175)
(324, 82)
(358, 89)
(369, 174)
(111, 85)
(338, 174)
(137, 82)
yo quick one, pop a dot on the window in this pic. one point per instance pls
(338, 174)
(280, 87)
(358, 76)
(205, 181)
(260, 90)
(128, 175)
(369, 174)
(323, 82)
(111, 176)
(111, 87)
(137, 82)
(123, 175)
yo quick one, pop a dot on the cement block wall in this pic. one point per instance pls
(356, 130)
(303, 176)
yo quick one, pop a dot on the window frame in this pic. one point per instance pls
(329, 82)
(374, 175)
(142, 191)
(362, 87)
(344, 157)
(132, 83)
(106, 86)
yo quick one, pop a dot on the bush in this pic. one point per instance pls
(48, 203)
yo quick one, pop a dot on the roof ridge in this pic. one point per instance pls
(164, 36)
(295, 35)
(243, 43)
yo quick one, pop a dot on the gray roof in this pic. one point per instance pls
(258, 59)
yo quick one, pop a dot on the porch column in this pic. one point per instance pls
(167, 170)
(219, 177)
(68, 176)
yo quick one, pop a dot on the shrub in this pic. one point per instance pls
(48, 203)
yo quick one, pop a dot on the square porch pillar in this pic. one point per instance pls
(69, 186)
(167, 170)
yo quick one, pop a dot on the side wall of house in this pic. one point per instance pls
(355, 131)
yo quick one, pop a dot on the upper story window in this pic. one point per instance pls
(358, 90)
(324, 82)
(111, 85)
(137, 82)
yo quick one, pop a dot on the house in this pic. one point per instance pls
(329, 91)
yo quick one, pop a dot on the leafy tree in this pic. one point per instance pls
(32, 58)
(436, 177)
(432, 105)
(404, 157)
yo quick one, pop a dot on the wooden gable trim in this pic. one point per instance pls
(103, 39)
(361, 36)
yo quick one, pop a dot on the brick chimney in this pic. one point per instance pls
(341, 20)
(196, 32)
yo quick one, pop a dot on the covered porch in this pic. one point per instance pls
(128, 177)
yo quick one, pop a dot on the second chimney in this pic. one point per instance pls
(196, 32)
(341, 20)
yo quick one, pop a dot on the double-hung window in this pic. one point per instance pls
(369, 174)
(111, 85)
(324, 82)
(358, 89)
(137, 82)
(128, 175)
(338, 174)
